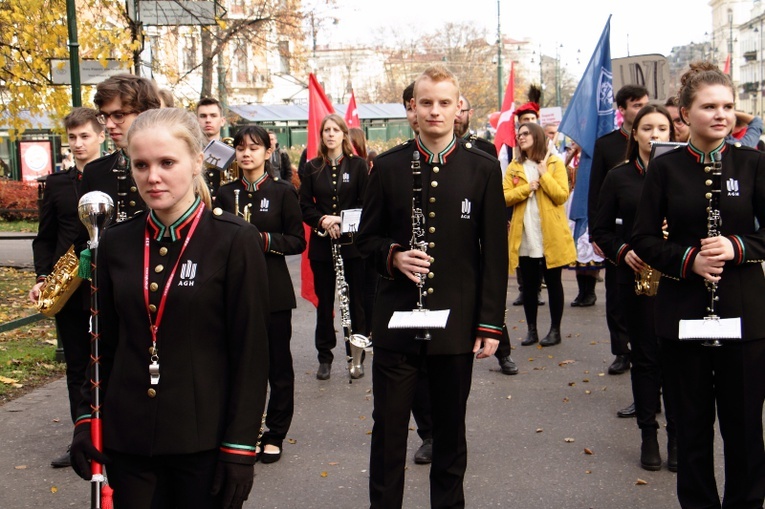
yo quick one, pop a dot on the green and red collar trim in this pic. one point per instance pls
(714, 155)
(256, 185)
(433, 158)
(157, 230)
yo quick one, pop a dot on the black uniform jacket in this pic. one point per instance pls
(466, 232)
(326, 189)
(675, 188)
(482, 144)
(610, 150)
(617, 206)
(276, 212)
(212, 341)
(60, 224)
(99, 175)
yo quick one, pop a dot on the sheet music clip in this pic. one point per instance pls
(710, 327)
(218, 155)
(419, 319)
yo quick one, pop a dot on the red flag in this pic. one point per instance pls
(506, 125)
(727, 66)
(318, 108)
(352, 113)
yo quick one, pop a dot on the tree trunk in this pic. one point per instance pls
(207, 64)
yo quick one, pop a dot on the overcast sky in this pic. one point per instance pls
(648, 26)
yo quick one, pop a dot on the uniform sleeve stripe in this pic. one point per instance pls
(741, 250)
(237, 452)
(83, 419)
(237, 446)
(686, 259)
(622, 252)
(489, 328)
(389, 263)
(266, 242)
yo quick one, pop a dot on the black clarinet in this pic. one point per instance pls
(122, 171)
(418, 235)
(714, 222)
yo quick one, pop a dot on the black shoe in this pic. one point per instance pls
(325, 368)
(518, 300)
(62, 461)
(507, 366)
(589, 300)
(540, 300)
(650, 458)
(270, 457)
(620, 365)
(672, 454)
(577, 301)
(552, 338)
(532, 337)
(424, 454)
(627, 412)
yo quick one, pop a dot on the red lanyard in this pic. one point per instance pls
(154, 326)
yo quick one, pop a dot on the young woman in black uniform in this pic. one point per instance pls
(731, 378)
(180, 289)
(272, 205)
(333, 181)
(611, 230)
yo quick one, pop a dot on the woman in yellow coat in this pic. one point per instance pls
(536, 186)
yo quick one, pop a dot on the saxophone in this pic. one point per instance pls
(647, 281)
(60, 284)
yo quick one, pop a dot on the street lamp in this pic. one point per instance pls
(730, 40)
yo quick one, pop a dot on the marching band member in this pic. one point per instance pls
(271, 204)
(466, 272)
(612, 230)
(184, 307)
(332, 182)
(728, 380)
(60, 227)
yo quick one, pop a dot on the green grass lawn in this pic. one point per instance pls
(18, 226)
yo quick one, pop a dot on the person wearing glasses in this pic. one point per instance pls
(536, 185)
(119, 99)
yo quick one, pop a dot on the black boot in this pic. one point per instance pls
(552, 338)
(582, 284)
(672, 454)
(532, 336)
(650, 458)
(589, 298)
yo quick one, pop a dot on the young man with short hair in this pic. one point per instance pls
(60, 227)
(465, 271)
(119, 100)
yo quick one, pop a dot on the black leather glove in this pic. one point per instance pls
(234, 480)
(83, 450)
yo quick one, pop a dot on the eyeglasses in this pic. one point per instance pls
(523, 135)
(118, 117)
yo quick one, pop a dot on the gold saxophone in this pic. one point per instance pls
(647, 281)
(60, 284)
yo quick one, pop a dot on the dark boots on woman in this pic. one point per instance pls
(650, 458)
(552, 338)
(532, 336)
(672, 454)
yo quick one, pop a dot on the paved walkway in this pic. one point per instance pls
(519, 427)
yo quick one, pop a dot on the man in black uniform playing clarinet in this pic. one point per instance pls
(119, 99)
(465, 269)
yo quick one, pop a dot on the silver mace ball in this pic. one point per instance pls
(95, 209)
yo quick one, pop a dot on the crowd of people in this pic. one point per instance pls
(194, 285)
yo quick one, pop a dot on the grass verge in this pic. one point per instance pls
(18, 226)
(27, 354)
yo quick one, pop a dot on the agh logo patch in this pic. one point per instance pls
(264, 203)
(188, 273)
(346, 178)
(732, 186)
(466, 206)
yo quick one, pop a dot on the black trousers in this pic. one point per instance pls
(393, 385)
(731, 380)
(646, 372)
(615, 320)
(163, 482)
(73, 328)
(281, 379)
(324, 286)
(532, 279)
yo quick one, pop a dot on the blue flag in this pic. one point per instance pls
(590, 115)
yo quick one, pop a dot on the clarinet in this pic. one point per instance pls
(714, 222)
(418, 235)
(123, 184)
